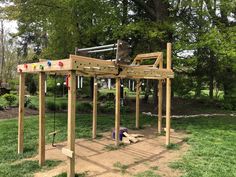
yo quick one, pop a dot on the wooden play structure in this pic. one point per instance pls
(92, 67)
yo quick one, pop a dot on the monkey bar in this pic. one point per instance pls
(97, 68)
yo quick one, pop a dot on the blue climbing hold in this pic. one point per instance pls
(49, 63)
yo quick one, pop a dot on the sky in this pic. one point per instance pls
(9, 26)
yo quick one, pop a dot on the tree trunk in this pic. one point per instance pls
(211, 86)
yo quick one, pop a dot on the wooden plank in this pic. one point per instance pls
(86, 66)
(168, 96)
(93, 65)
(131, 138)
(44, 67)
(145, 72)
(71, 121)
(137, 103)
(159, 60)
(52, 133)
(117, 112)
(21, 113)
(147, 56)
(67, 152)
(125, 140)
(95, 90)
(136, 135)
(41, 118)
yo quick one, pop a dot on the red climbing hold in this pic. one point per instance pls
(60, 63)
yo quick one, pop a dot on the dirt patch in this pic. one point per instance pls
(13, 113)
(93, 158)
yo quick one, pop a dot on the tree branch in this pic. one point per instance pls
(147, 9)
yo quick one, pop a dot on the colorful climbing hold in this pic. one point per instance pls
(49, 63)
(20, 70)
(34, 66)
(26, 66)
(41, 67)
(60, 63)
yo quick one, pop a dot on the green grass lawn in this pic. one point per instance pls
(212, 143)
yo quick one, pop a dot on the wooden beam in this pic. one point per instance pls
(41, 118)
(137, 103)
(168, 96)
(147, 56)
(71, 122)
(21, 113)
(117, 112)
(44, 66)
(95, 90)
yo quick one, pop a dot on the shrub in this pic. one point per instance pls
(107, 97)
(63, 105)
(84, 107)
(32, 106)
(27, 101)
(52, 106)
(9, 98)
(1, 107)
(107, 107)
(14, 92)
(125, 109)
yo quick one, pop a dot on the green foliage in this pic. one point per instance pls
(106, 97)
(107, 107)
(173, 146)
(53, 87)
(27, 101)
(30, 104)
(50, 105)
(84, 107)
(121, 167)
(84, 174)
(182, 85)
(31, 83)
(63, 105)
(29, 167)
(1, 107)
(212, 141)
(154, 168)
(147, 173)
(9, 98)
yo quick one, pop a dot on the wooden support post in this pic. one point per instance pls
(159, 106)
(21, 113)
(168, 96)
(95, 90)
(117, 112)
(137, 103)
(71, 122)
(41, 118)
(160, 94)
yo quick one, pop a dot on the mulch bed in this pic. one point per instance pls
(13, 113)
